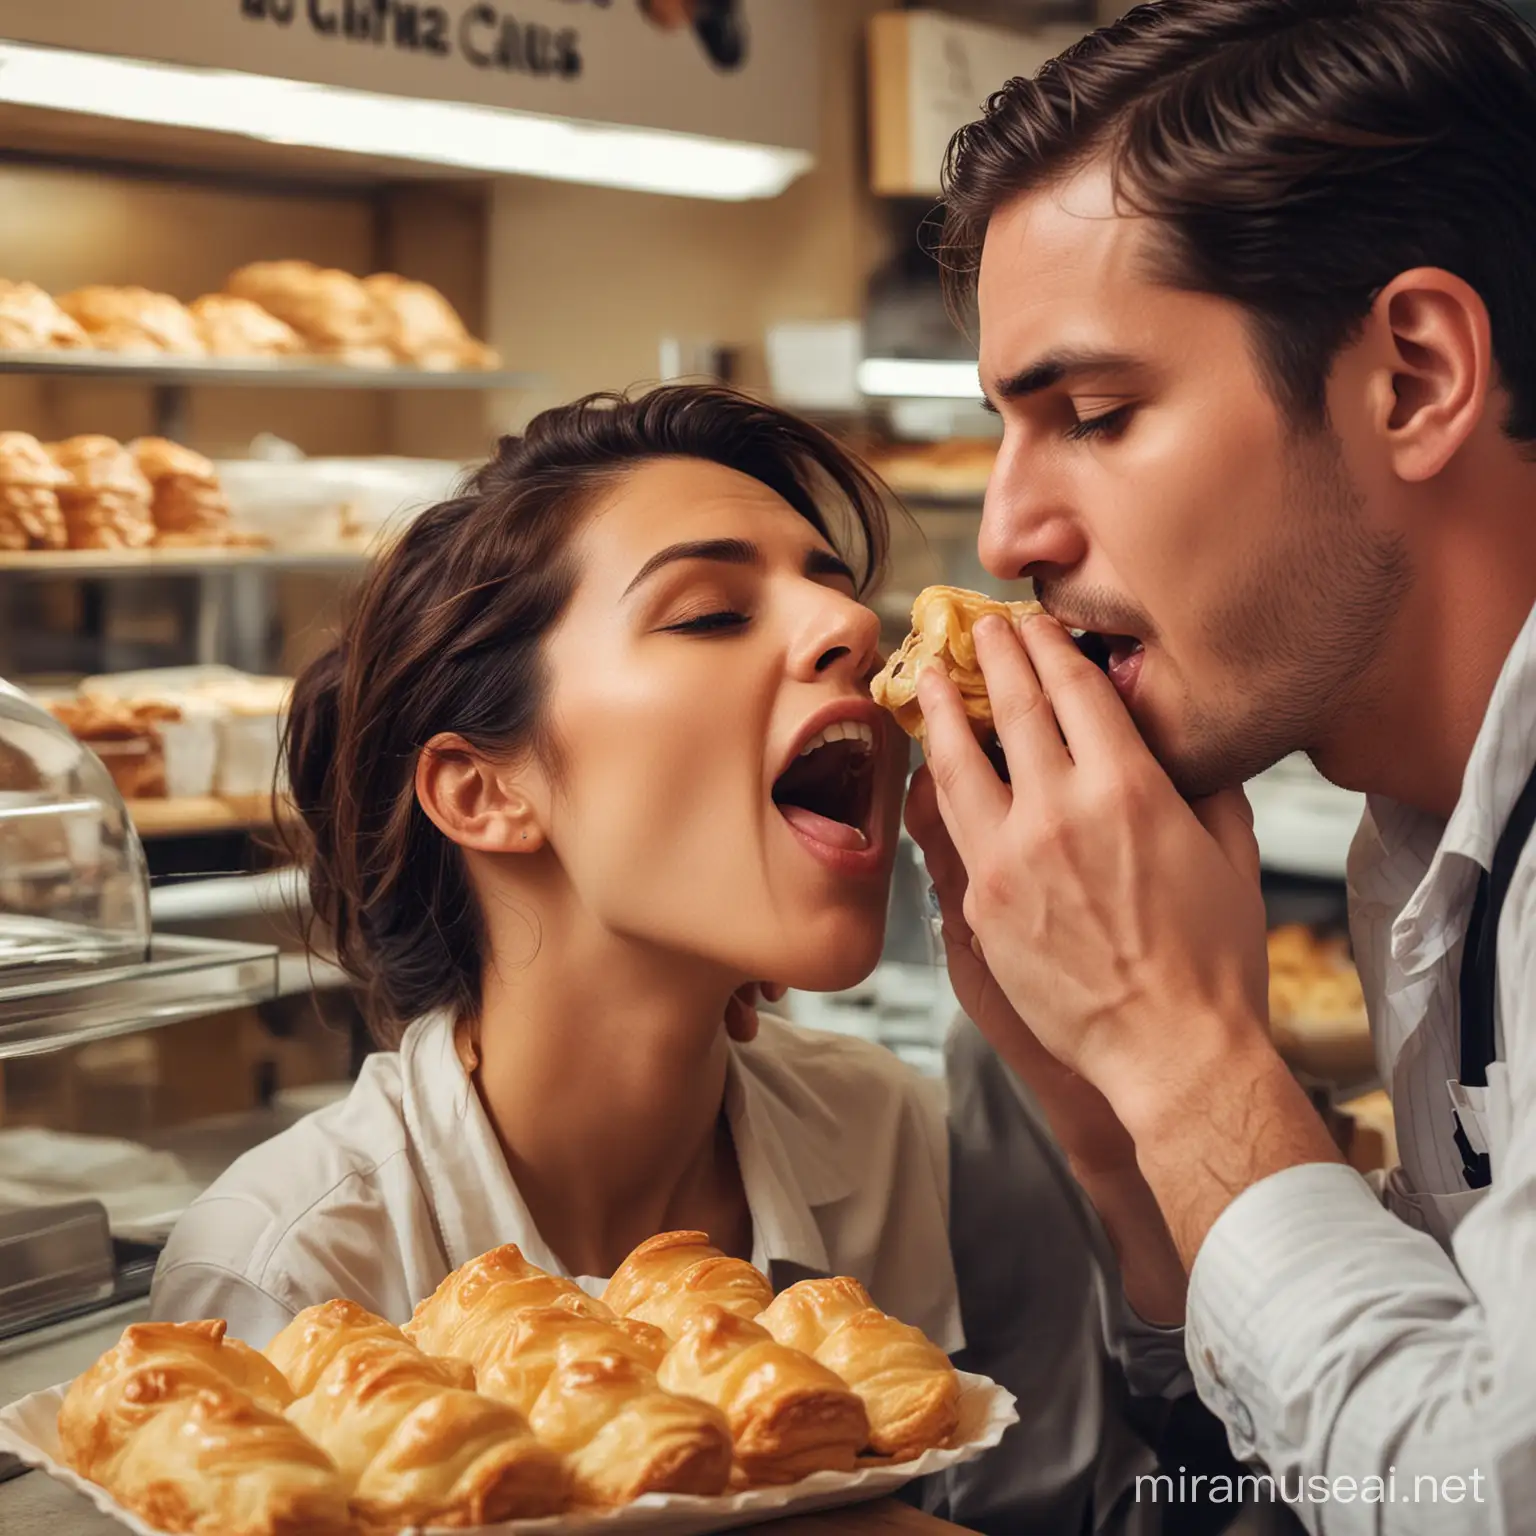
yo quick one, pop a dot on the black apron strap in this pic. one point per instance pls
(1480, 970)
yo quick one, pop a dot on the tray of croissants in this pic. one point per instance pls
(688, 1398)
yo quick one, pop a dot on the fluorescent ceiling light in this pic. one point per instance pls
(918, 379)
(469, 137)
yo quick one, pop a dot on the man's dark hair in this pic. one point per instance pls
(1299, 155)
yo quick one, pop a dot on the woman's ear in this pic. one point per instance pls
(1431, 388)
(475, 801)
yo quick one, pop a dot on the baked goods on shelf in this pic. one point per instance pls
(1317, 1013)
(188, 499)
(186, 1429)
(943, 619)
(672, 1275)
(133, 320)
(31, 321)
(789, 1416)
(30, 515)
(511, 1392)
(107, 502)
(235, 327)
(331, 310)
(126, 736)
(422, 328)
(908, 1387)
(954, 470)
(411, 1439)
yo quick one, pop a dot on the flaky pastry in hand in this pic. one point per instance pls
(943, 619)
(185, 1428)
(907, 1385)
(413, 1441)
(789, 1416)
(623, 1436)
(670, 1276)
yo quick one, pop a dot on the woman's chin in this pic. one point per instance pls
(834, 968)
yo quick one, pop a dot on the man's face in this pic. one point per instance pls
(1155, 492)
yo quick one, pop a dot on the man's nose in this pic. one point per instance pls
(1027, 521)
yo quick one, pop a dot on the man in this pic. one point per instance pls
(1257, 310)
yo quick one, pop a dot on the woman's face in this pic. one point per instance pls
(712, 638)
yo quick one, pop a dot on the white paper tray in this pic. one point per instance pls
(29, 1431)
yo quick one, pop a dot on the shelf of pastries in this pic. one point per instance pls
(1317, 1006)
(949, 474)
(279, 323)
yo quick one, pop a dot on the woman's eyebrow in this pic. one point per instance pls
(820, 562)
(722, 551)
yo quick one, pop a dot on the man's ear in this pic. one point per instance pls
(478, 802)
(1433, 369)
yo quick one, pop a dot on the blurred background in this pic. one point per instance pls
(272, 274)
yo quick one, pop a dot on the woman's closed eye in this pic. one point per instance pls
(716, 621)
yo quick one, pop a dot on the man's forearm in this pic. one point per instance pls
(1151, 1274)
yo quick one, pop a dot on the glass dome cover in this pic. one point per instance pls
(74, 886)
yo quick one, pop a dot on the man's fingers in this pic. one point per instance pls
(1228, 817)
(1087, 709)
(971, 797)
(1026, 727)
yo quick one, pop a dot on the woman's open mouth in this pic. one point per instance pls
(827, 794)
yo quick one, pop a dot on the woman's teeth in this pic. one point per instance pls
(842, 730)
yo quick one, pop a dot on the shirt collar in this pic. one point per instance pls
(786, 1139)
(1400, 843)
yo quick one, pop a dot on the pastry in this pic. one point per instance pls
(301, 1352)
(185, 1428)
(789, 1416)
(942, 622)
(623, 1436)
(30, 515)
(106, 500)
(909, 1389)
(188, 501)
(330, 309)
(233, 327)
(125, 735)
(672, 1275)
(422, 328)
(30, 321)
(514, 1366)
(134, 320)
(410, 1437)
(470, 1313)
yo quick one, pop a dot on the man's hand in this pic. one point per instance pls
(1125, 926)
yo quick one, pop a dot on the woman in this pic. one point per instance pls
(595, 756)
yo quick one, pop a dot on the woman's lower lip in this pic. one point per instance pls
(1125, 671)
(842, 861)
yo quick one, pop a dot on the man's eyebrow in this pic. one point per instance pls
(1057, 368)
(722, 551)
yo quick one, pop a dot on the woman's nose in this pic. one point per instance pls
(840, 634)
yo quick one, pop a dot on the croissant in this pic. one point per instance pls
(670, 1276)
(909, 1389)
(789, 1416)
(470, 1313)
(540, 1339)
(410, 1437)
(185, 1428)
(942, 621)
(303, 1350)
(622, 1435)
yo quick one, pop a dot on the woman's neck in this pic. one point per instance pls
(602, 1069)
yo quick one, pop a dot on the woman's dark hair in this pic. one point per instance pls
(1299, 155)
(446, 636)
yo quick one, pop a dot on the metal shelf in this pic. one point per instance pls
(255, 372)
(183, 978)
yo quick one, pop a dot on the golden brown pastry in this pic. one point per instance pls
(514, 1365)
(422, 328)
(188, 504)
(623, 1436)
(30, 321)
(133, 320)
(909, 1389)
(670, 1276)
(470, 1313)
(185, 1427)
(233, 327)
(942, 621)
(30, 514)
(106, 500)
(409, 1435)
(136, 756)
(330, 309)
(789, 1415)
(303, 1350)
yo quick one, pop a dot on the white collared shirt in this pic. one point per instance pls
(843, 1155)
(1342, 1339)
